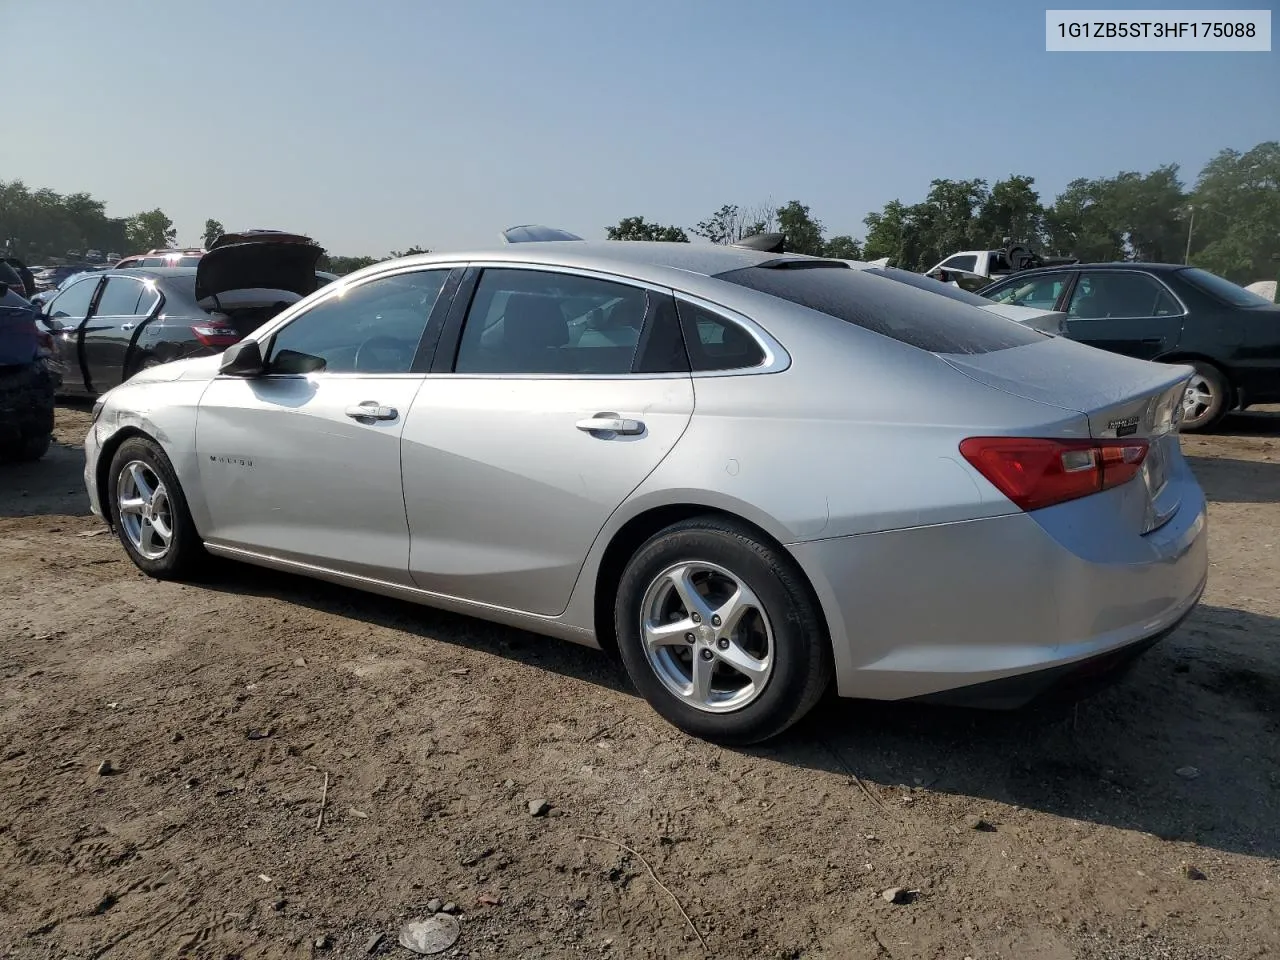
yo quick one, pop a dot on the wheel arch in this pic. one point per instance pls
(633, 533)
(1190, 356)
(102, 471)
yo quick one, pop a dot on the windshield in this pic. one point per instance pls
(1215, 286)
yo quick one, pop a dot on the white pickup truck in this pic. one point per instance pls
(974, 269)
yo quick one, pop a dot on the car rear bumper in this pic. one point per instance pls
(929, 610)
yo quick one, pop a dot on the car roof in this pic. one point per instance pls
(1115, 265)
(621, 256)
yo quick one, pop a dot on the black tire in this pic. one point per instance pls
(33, 448)
(1213, 398)
(185, 553)
(26, 412)
(801, 652)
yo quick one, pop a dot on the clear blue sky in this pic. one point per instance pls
(373, 125)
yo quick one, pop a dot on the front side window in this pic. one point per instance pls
(120, 297)
(529, 322)
(371, 328)
(72, 304)
(1114, 295)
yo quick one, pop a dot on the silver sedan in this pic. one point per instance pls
(754, 475)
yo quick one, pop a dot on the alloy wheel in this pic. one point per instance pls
(144, 510)
(707, 637)
(1197, 399)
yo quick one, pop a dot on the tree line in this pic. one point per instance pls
(1227, 221)
(42, 225)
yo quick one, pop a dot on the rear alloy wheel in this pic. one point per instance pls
(1205, 401)
(719, 633)
(150, 513)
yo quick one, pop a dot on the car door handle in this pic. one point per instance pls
(371, 410)
(611, 423)
(126, 326)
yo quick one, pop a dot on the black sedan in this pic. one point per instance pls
(107, 326)
(1168, 313)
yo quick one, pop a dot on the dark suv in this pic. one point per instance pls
(26, 383)
(1169, 313)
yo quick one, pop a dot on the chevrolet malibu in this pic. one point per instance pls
(752, 474)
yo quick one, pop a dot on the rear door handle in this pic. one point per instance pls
(371, 410)
(611, 423)
(127, 326)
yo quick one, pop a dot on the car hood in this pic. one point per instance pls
(258, 259)
(193, 368)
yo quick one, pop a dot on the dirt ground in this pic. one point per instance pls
(226, 706)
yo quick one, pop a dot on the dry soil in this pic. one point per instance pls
(1142, 823)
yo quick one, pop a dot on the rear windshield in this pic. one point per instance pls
(929, 283)
(913, 316)
(1214, 285)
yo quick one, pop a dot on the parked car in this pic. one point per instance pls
(1170, 313)
(26, 382)
(109, 325)
(187, 257)
(876, 484)
(17, 276)
(50, 278)
(1048, 321)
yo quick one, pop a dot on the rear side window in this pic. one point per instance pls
(716, 343)
(1216, 286)
(963, 261)
(532, 322)
(916, 317)
(120, 297)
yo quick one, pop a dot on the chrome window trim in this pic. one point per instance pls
(1146, 273)
(776, 358)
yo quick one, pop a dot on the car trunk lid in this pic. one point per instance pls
(258, 259)
(1121, 398)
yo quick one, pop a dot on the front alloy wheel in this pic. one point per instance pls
(145, 513)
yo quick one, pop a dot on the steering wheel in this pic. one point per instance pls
(392, 344)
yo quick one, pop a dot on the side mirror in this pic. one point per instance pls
(243, 359)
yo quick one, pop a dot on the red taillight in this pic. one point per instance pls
(215, 335)
(1036, 473)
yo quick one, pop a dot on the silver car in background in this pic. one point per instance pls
(754, 474)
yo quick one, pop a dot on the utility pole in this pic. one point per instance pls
(1190, 226)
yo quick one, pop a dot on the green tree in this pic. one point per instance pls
(1233, 218)
(213, 229)
(803, 232)
(1130, 216)
(412, 251)
(1012, 210)
(886, 233)
(842, 248)
(150, 229)
(345, 265)
(637, 228)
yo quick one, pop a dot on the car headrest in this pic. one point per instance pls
(533, 322)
